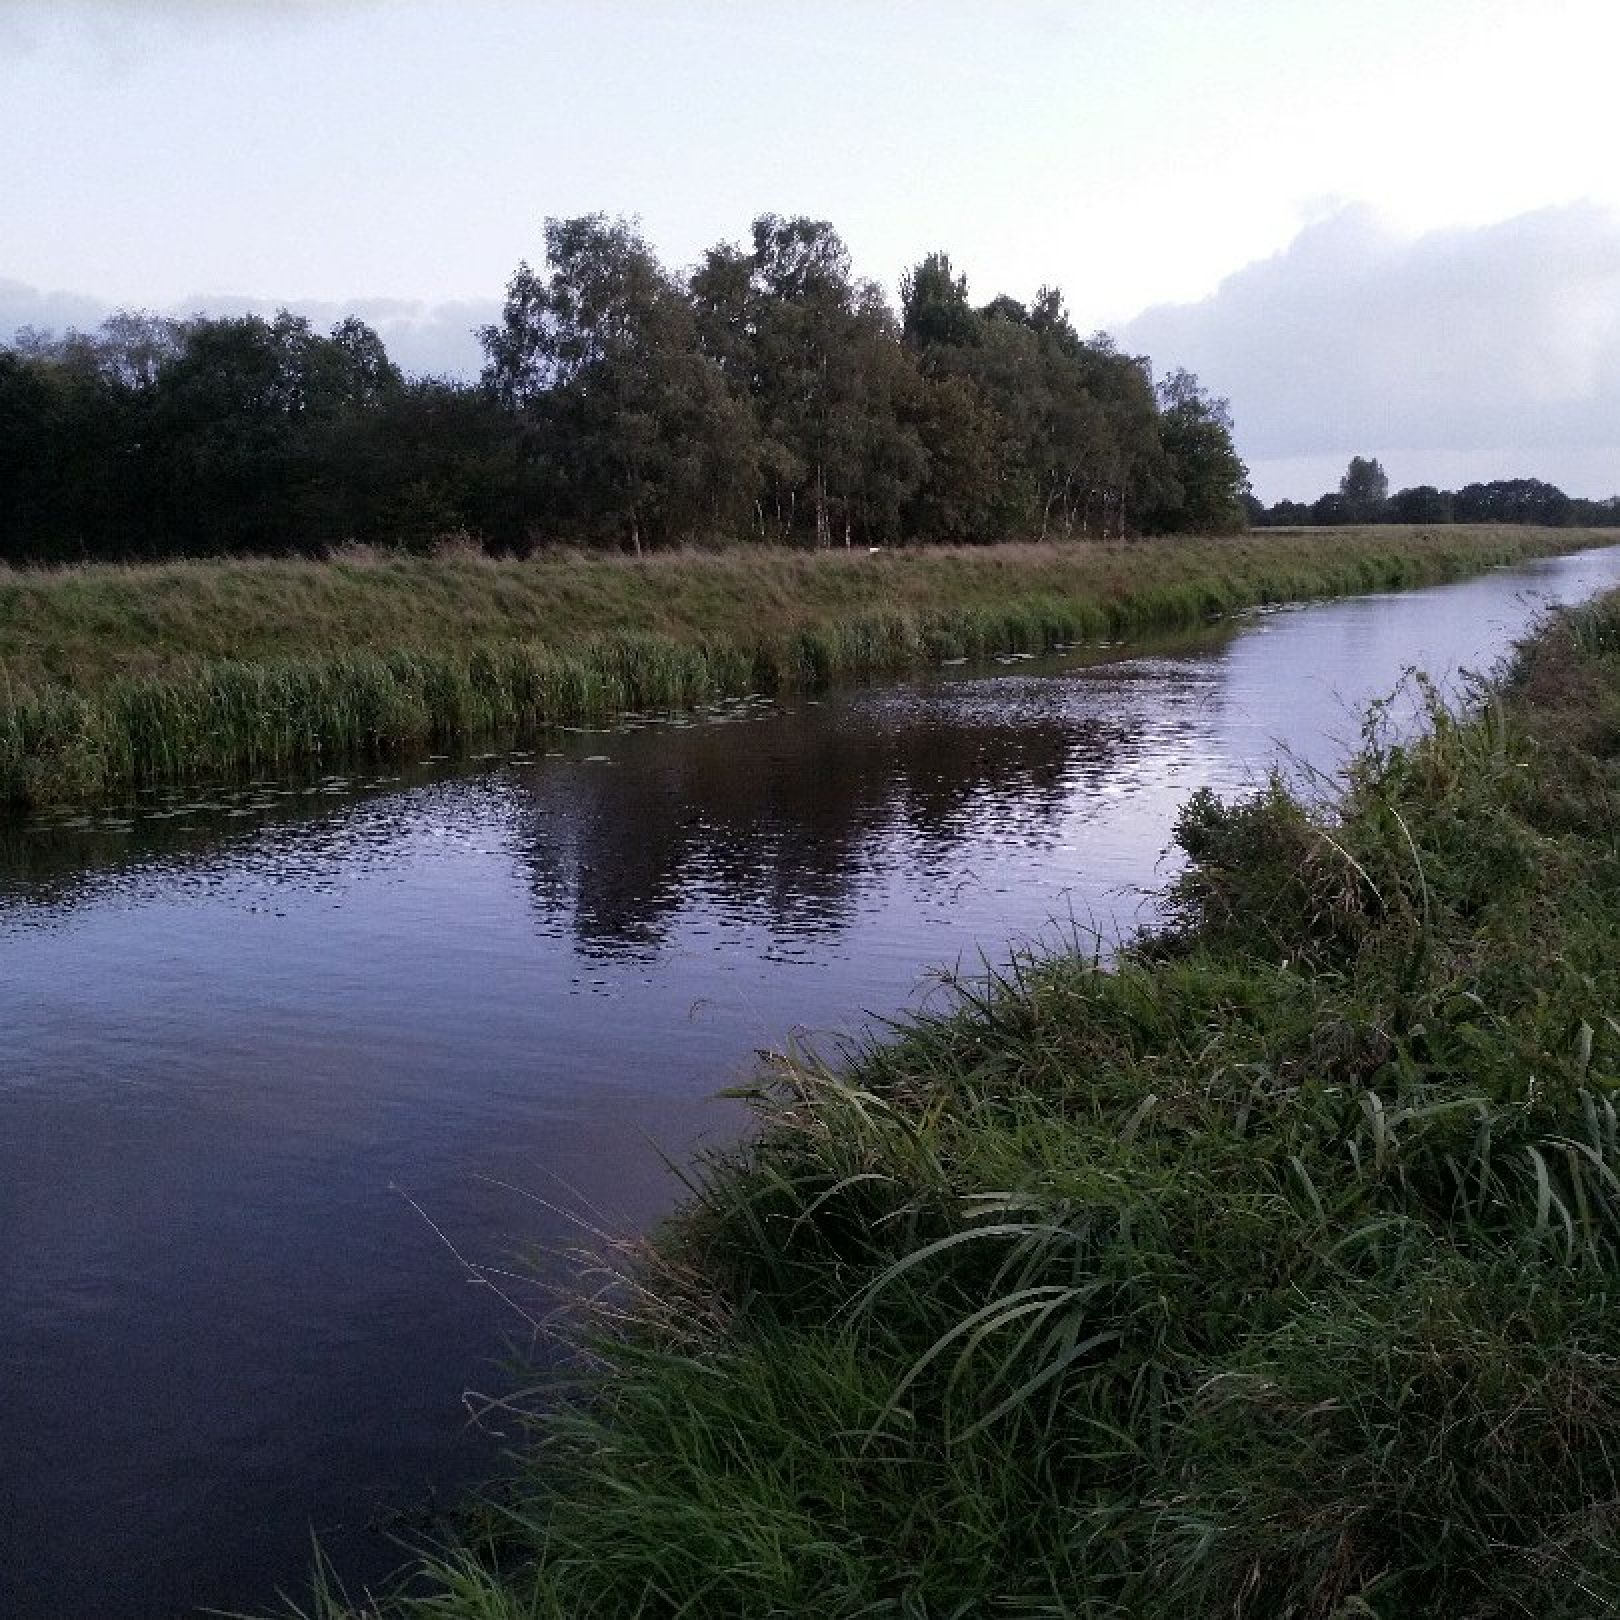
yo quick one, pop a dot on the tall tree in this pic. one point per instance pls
(934, 306)
(1210, 479)
(1365, 489)
(633, 429)
(832, 387)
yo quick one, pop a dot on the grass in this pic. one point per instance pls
(114, 679)
(1267, 1272)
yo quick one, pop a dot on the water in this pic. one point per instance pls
(273, 1064)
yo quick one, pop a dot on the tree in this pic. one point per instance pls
(632, 430)
(131, 347)
(1512, 500)
(1211, 481)
(1422, 503)
(934, 306)
(833, 390)
(772, 391)
(1365, 489)
(1288, 514)
(954, 499)
(30, 509)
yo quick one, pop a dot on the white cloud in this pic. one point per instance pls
(1496, 347)
(22, 305)
(109, 32)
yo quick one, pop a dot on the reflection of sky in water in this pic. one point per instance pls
(226, 1034)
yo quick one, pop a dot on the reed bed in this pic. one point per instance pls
(115, 679)
(1267, 1272)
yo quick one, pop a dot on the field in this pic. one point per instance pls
(114, 679)
(1267, 1272)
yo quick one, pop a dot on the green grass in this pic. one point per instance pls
(1270, 1271)
(113, 679)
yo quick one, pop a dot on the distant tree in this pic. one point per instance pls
(1422, 503)
(1210, 479)
(1078, 444)
(1364, 490)
(1133, 473)
(1601, 514)
(1289, 514)
(1513, 500)
(226, 416)
(1332, 508)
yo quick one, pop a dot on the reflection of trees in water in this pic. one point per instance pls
(781, 821)
(293, 841)
(65, 864)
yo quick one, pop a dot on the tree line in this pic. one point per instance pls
(1363, 496)
(768, 395)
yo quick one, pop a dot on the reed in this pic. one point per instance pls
(114, 679)
(1267, 1271)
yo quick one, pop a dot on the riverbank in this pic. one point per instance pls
(113, 679)
(1268, 1272)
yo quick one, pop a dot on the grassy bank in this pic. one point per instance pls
(112, 679)
(1271, 1272)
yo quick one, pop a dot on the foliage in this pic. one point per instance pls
(1209, 479)
(1364, 489)
(629, 428)
(770, 395)
(154, 438)
(1363, 497)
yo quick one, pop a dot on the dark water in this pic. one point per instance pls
(252, 1044)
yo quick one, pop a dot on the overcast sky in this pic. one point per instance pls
(1389, 227)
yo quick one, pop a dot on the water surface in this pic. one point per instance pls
(265, 1057)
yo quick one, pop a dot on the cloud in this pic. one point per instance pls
(1499, 343)
(427, 339)
(22, 305)
(38, 12)
(27, 26)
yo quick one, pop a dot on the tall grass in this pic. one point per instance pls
(113, 679)
(1268, 1272)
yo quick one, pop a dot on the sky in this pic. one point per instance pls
(1378, 228)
